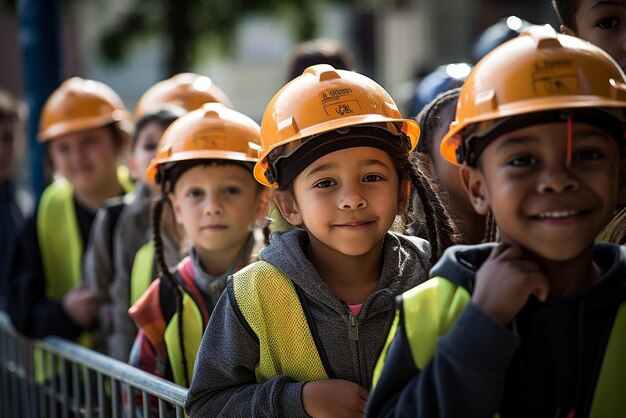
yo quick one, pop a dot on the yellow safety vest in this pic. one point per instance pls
(193, 331)
(438, 303)
(269, 303)
(141, 272)
(62, 247)
(194, 323)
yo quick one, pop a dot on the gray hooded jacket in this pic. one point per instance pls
(107, 268)
(224, 382)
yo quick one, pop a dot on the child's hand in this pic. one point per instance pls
(81, 305)
(505, 281)
(334, 398)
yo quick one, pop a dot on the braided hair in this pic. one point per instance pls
(159, 252)
(566, 10)
(491, 229)
(426, 206)
(429, 119)
(615, 231)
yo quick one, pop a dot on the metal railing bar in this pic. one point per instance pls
(65, 392)
(114, 398)
(101, 396)
(116, 369)
(180, 412)
(52, 385)
(162, 409)
(145, 401)
(60, 396)
(76, 390)
(130, 391)
(88, 406)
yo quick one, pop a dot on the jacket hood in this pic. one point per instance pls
(405, 264)
(460, 263)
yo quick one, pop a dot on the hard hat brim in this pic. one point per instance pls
(408, 126)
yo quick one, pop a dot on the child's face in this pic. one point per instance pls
(603, 23)
(538, 203)
(87, 159)
(217, 206)
(347, 200)
(445, 173)
(144, 151)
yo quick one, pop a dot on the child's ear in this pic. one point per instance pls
(262, 203)
(176, 208)
(288, 207)
(474, 184)
(567, 31)
(403, 196)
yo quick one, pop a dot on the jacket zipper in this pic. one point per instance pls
(353, 329)
(353, 334)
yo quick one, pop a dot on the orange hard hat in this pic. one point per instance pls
(187, 90)
(538, 72)
(212, 132)
(321, 100)
(80, 104)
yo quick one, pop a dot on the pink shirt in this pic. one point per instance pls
(356, 309)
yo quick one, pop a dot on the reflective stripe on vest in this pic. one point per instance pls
(194, 329)
(195, 317)
(60, 242)
(58, 234)
(609, 399)
(442, 302)
(270, 305)
(141, 273)
(123, 176)
(61, 248)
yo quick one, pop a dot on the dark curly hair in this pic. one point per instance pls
(566, 11)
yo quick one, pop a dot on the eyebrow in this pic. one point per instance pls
(585, 133)
(320, 168)
(581, 133)
(364, 163)
(517, 140)
(608, 3)
(371, 162)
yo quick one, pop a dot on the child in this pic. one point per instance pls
(121, 270)
(186, 90)
(318, 51)
(434, 119)
(296, 334)
(602, 23)
(534, 326)
(189, 91)
(121, 227)
(11, 206)
(85, 127)
(203, 166)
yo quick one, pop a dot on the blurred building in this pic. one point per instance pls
(391, 40)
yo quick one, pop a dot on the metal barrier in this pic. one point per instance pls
(89, 384)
